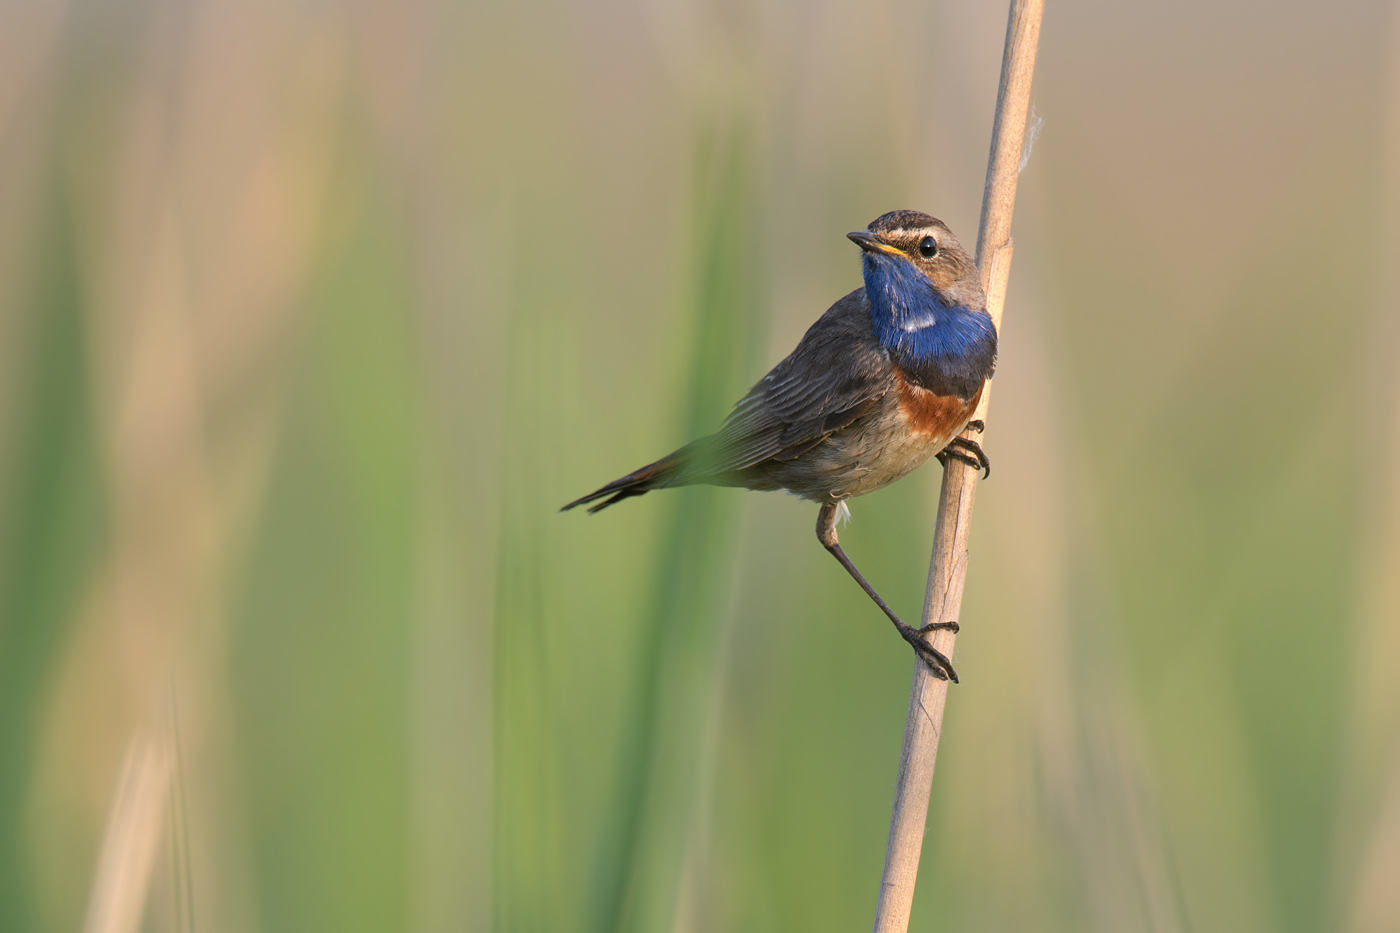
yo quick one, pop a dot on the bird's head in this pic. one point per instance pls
(900, 242)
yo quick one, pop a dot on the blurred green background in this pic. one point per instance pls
(312, 314)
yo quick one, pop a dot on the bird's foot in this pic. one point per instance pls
(979, 426)
(966, 451)
(949, 626)
(943, 456)
(936, 660)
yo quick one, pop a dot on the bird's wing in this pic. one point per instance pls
(837, 373)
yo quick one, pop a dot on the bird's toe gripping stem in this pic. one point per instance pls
(936, 660)
(949, 626)
(967, 451)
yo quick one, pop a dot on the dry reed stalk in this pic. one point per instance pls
(131, 840)
(948, 568)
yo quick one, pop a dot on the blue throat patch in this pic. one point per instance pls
(945, 348)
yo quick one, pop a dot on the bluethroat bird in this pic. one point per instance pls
(887, 378)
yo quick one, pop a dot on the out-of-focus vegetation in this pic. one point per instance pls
(312, 315)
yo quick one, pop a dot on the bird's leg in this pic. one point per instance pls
(937, 660)
(977, 457)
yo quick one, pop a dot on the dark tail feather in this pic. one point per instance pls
(652, 476)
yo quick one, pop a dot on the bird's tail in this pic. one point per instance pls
(668, 471)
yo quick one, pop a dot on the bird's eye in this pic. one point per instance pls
(928, 247)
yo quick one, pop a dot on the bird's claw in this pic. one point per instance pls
(955, 453)
(949, 626)
(936, 660)
(969, 452)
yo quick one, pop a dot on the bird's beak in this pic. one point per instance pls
(869, 243)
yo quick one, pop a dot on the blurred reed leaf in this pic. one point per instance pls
(52, 529)
(639, 868)
(530, 679)
(634, 862)
(320, 654)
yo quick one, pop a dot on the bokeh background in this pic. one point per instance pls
(312, 314)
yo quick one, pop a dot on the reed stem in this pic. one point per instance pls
(948, 568)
